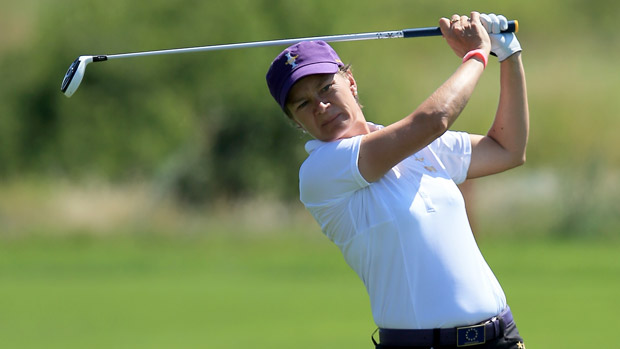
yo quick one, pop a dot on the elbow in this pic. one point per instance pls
(519, 159)
(509, 162)
(445, 115)
(437, 115)
(521, 155)
(438, 120)
(513, 152)
(520, 162)
(439, 125)
(428, 124)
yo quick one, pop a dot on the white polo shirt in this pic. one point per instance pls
(406, 235)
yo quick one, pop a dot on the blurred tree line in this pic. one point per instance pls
(203, 125)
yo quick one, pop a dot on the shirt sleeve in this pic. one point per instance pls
(454, 151)
(330, 172)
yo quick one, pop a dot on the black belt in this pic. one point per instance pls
(459, 336)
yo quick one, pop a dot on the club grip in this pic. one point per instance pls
(513, 27)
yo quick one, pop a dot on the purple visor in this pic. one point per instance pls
(297, 61)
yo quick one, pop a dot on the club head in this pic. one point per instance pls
(74, 75)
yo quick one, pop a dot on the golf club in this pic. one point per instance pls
(75, 74)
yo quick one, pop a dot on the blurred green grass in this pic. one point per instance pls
(199, 293)
(291, 288)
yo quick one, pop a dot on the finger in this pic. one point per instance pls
(475, 17)
(444, 25)
(486, 22)
(455, 19)
(503, 22)
(494, 23)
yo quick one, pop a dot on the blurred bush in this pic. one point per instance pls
(204, 126)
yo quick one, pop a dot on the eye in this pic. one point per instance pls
(301, 105)
(327, 87)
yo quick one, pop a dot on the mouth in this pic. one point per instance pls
(331, 119)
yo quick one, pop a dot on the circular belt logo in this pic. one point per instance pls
(471, 334)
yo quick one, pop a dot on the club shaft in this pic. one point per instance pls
(331, 38)
(405, 33)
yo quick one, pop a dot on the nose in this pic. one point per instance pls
(322, 106)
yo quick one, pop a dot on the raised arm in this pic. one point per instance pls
(505, 143)
(383, 149)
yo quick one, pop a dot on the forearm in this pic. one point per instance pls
(437, 113)
(383, 149)
(511, 125)
(449, 100)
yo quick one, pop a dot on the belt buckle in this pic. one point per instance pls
(470, 335)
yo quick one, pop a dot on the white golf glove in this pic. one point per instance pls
(503, 45)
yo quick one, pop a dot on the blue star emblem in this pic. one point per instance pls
(291, 59)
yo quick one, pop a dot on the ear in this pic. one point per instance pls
(352, 83)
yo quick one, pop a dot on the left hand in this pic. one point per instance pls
(503, 45)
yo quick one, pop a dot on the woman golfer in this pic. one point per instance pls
(387, 196)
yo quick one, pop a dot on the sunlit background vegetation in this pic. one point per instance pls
(157, 207)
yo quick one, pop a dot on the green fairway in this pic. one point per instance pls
(206, 293)
(561, 292)
(267, 292)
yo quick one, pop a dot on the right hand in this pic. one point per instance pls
(465, 34)
(503, 45)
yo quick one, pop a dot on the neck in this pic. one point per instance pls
(359, 127)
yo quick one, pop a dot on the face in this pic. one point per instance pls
(325, 106)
